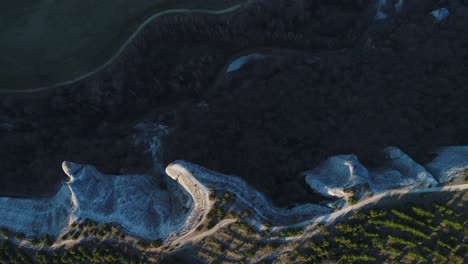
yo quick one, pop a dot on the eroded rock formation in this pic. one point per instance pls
(343, 172)
(136, 203)
(450, 161)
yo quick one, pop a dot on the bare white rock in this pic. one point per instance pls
(134, 202)
(450, 161)
(35, 217)
(337, 174)
(440, 14)
(342, 172)
(399, 171)
(198, 181)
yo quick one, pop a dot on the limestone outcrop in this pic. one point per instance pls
(198, 181)
(35, 217)
(136, 203)
(450, 161)
(398, 171)
(339, 173)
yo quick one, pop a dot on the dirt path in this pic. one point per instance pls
(330, 218)
(192, 237)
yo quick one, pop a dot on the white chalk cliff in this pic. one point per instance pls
(449, 163)
(399, 170)
(198, 181)
(341, 172)
(37, 217)
(139, 205)
(134, 202)
(337, 174)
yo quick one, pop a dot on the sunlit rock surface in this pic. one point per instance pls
(34, 217)
(141, 207)
(337, 174)
(134, 202)
(341, 172)
(197, 179)
(398, 171)
(450, 161)
(440, 14)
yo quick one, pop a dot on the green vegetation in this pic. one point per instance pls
(400, 241)
(248, 230)
(220, 207)
(457, 226)
(212, 195)
(46, 240)
(92, 252)
(356, 258)
(352, 201)
(422, 213)
(149, 244)
(291, 232)
(404, 228)
(395, 235)
(102, 247)
(54, 41)
(379, 235)
(419, 232)
(465, 174)
(106, 245)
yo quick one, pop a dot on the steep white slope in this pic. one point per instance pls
(195, 178)
(399, 171)
(337, 174)
(450, 161)
(35, 217)
(200, 196)
(134, 202)
(341, 172)
(440, 14)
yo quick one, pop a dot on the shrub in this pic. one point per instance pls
(246, 213)
(401, 241)
(212, 194)
(19, 236)
(454, 225)
(356, 259)
(156, 243)
(417, 257)
(46, 240)
(401, 227)
(352, 201)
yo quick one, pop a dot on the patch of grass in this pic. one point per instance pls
(54, 41)
(400, 227)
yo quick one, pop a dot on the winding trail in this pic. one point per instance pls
(201, 202)
(195, 238)
(196, 180)
(332, 217)
(189, 236)
(199, 181)
(124, 46)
